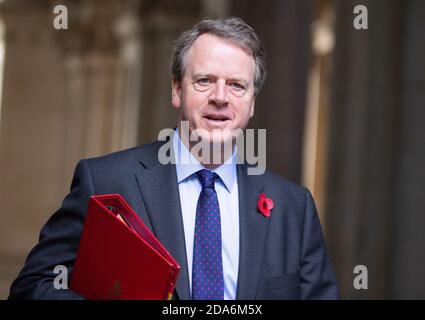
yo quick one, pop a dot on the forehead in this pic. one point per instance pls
(212, 55)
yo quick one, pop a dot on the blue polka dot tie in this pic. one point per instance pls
(207, 274)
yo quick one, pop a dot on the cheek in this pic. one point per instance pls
(192, 104)
(245, 112)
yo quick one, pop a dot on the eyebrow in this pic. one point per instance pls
(208, 75)
(198, 75)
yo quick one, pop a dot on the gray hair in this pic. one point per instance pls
(233, 29)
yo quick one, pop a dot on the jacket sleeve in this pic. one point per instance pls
(318, 279)
(58, 244)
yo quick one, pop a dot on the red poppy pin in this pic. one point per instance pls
(265, 205)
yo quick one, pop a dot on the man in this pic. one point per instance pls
(250, 248)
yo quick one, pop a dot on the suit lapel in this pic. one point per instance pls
(159, 190)
(253, 234)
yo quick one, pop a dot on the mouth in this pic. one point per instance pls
(216, 118)
(215, 121)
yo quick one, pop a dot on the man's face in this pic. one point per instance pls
(216, 74)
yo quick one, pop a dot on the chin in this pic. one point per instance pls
(213, 136)
(221, 138)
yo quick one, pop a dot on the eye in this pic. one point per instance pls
(203, 81)
(237, 86)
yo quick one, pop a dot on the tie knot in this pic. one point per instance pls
(207, 178)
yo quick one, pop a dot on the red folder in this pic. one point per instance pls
(118, 256)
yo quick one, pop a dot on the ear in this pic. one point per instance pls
(176, 93)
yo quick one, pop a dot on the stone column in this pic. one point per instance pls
(68, 94)
(31, 131)
(102, 55)
(409, 241)
(364, 130)
(163, 21)
(284, 27)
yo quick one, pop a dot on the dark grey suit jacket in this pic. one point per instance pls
(281, 257)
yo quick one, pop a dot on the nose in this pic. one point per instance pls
(219, 94)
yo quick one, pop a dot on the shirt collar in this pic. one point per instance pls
(187, 164)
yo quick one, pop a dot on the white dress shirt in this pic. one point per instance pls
(227, 193)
